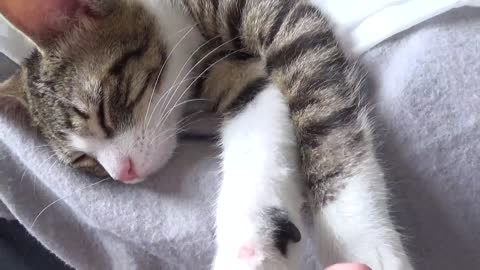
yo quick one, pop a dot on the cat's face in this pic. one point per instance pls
(105, 93)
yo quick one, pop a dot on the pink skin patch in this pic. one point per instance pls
(35, 17)
(348, 266)
(247, 252)
(42, 20)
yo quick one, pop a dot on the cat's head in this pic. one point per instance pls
(99, 85)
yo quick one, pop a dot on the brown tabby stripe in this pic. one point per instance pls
(32, 63)
(302, 11)
(80, 113)
(216, 105)
(102, 117)
(287, 54)
(67, 121)
(247, 94)
(318, 129)
(204, 13)
(357, 138)
(198, 89)
(330, 74)
(215, 5)
(300, 103)
(127, 90)
(144, 88)
(118, 66)
(240, 56)
(118, 69)
(119, 94)
(227, 55)
(279, 20)
(198, 137)
(235, 20)
(331, 174)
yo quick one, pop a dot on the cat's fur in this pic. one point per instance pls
(110, 83)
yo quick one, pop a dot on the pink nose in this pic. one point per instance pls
(127, 171)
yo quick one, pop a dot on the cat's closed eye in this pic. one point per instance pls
(82, 114)
(89, 164)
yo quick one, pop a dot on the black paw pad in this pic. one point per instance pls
(282, 229)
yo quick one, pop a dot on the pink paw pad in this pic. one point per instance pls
(247, 252)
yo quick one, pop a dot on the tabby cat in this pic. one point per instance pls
(109, 81)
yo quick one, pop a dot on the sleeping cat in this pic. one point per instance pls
(109, 81)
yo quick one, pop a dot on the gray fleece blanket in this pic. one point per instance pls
(427, 97)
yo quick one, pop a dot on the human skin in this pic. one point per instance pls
(41, 19)
(348, 266)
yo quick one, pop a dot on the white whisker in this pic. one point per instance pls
(40, 146)
(199, 76)
(180, 72)
(162, 133)
(180, 122)
(164, 118)
(172, 35)
(57, 97)
(46, 173)
(186, 62)
(188, 79)
(182, 125)
(175, 133)
(162, 68)
(165, 95)
(193, 54)
(63, 198)
(41, 165)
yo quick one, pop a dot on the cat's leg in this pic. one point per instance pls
(258, 209)
(353, 225)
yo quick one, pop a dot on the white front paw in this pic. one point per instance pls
(267, 240)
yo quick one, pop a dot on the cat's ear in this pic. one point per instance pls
(13, 88)
(44, 21)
